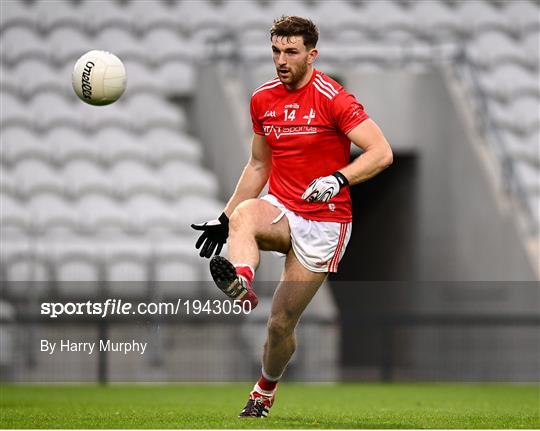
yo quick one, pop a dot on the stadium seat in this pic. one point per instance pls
(54, 215)
(133, 178)
(77, 268)
(155, 216)
(53, 15)
(379, 53)
(528, 175)
(148, 111)
(82, 177)
(127, 268)
(531, 43)
(8, 184)
(16, 14)
(102, 216)
(13, 112)
(33, 76)
(491, 48)
(437, 21)
(66, 144)
(33, 177)
(509, 81)
(20, 43)
(388, 21)
(523, 14)
(480, 16)
(523, 147)
(521, 115)
(176, 78)
(113, 115)
(19, 144)
(142, 78)
(246, 15)
(66, 45)
(203, 17)
(527, 111)
(291, 7)
(117, 144)
(50, 110)
(183, 178)
(8, 80)
(197, 209)
(25, 266)
(15, 219)
(172, 78)
(100, 16)
(179, 271)
(123, 44)
(159, 16)
(164, 145)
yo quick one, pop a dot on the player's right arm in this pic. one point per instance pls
(254, 176)
(251, 182)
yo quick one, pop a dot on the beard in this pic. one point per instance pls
(294, 76)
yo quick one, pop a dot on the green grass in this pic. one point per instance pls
(297, 406)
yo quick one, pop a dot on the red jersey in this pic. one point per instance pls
(306, 132)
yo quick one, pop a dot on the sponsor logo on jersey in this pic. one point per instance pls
(292, 106)
(289, 130)
(270, 114)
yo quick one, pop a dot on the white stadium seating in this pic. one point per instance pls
(33, 177)
(20, 143)
(165, 145)
(531, 42)
(133, 178)
(67, 44)
(19, 43)
(102, 215)
(83, 177)
(17, 222)
(523, 146)
(112, 190)
(55, 14)
(509, 81)
(492, 48)
(17, 14)
(54, 215)
(66, 144)
(13, 112)
(481, 16)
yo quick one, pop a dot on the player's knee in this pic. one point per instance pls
(243, 215)
(280, 327)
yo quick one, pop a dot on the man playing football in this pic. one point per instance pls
(303, 123)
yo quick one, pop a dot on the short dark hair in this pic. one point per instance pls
(288, 26)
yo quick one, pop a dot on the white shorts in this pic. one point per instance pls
(318, 245)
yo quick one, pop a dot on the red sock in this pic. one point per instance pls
(246, 272)
(267, 385)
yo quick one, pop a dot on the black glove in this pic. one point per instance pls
(215, 233)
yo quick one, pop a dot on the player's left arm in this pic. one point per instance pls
(377, 154)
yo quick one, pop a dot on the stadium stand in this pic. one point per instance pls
(104, 196)
(138, 149)
(16, 220)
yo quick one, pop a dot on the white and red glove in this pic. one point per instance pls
(323, 189)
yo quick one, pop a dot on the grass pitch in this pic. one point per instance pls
(297, 406)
